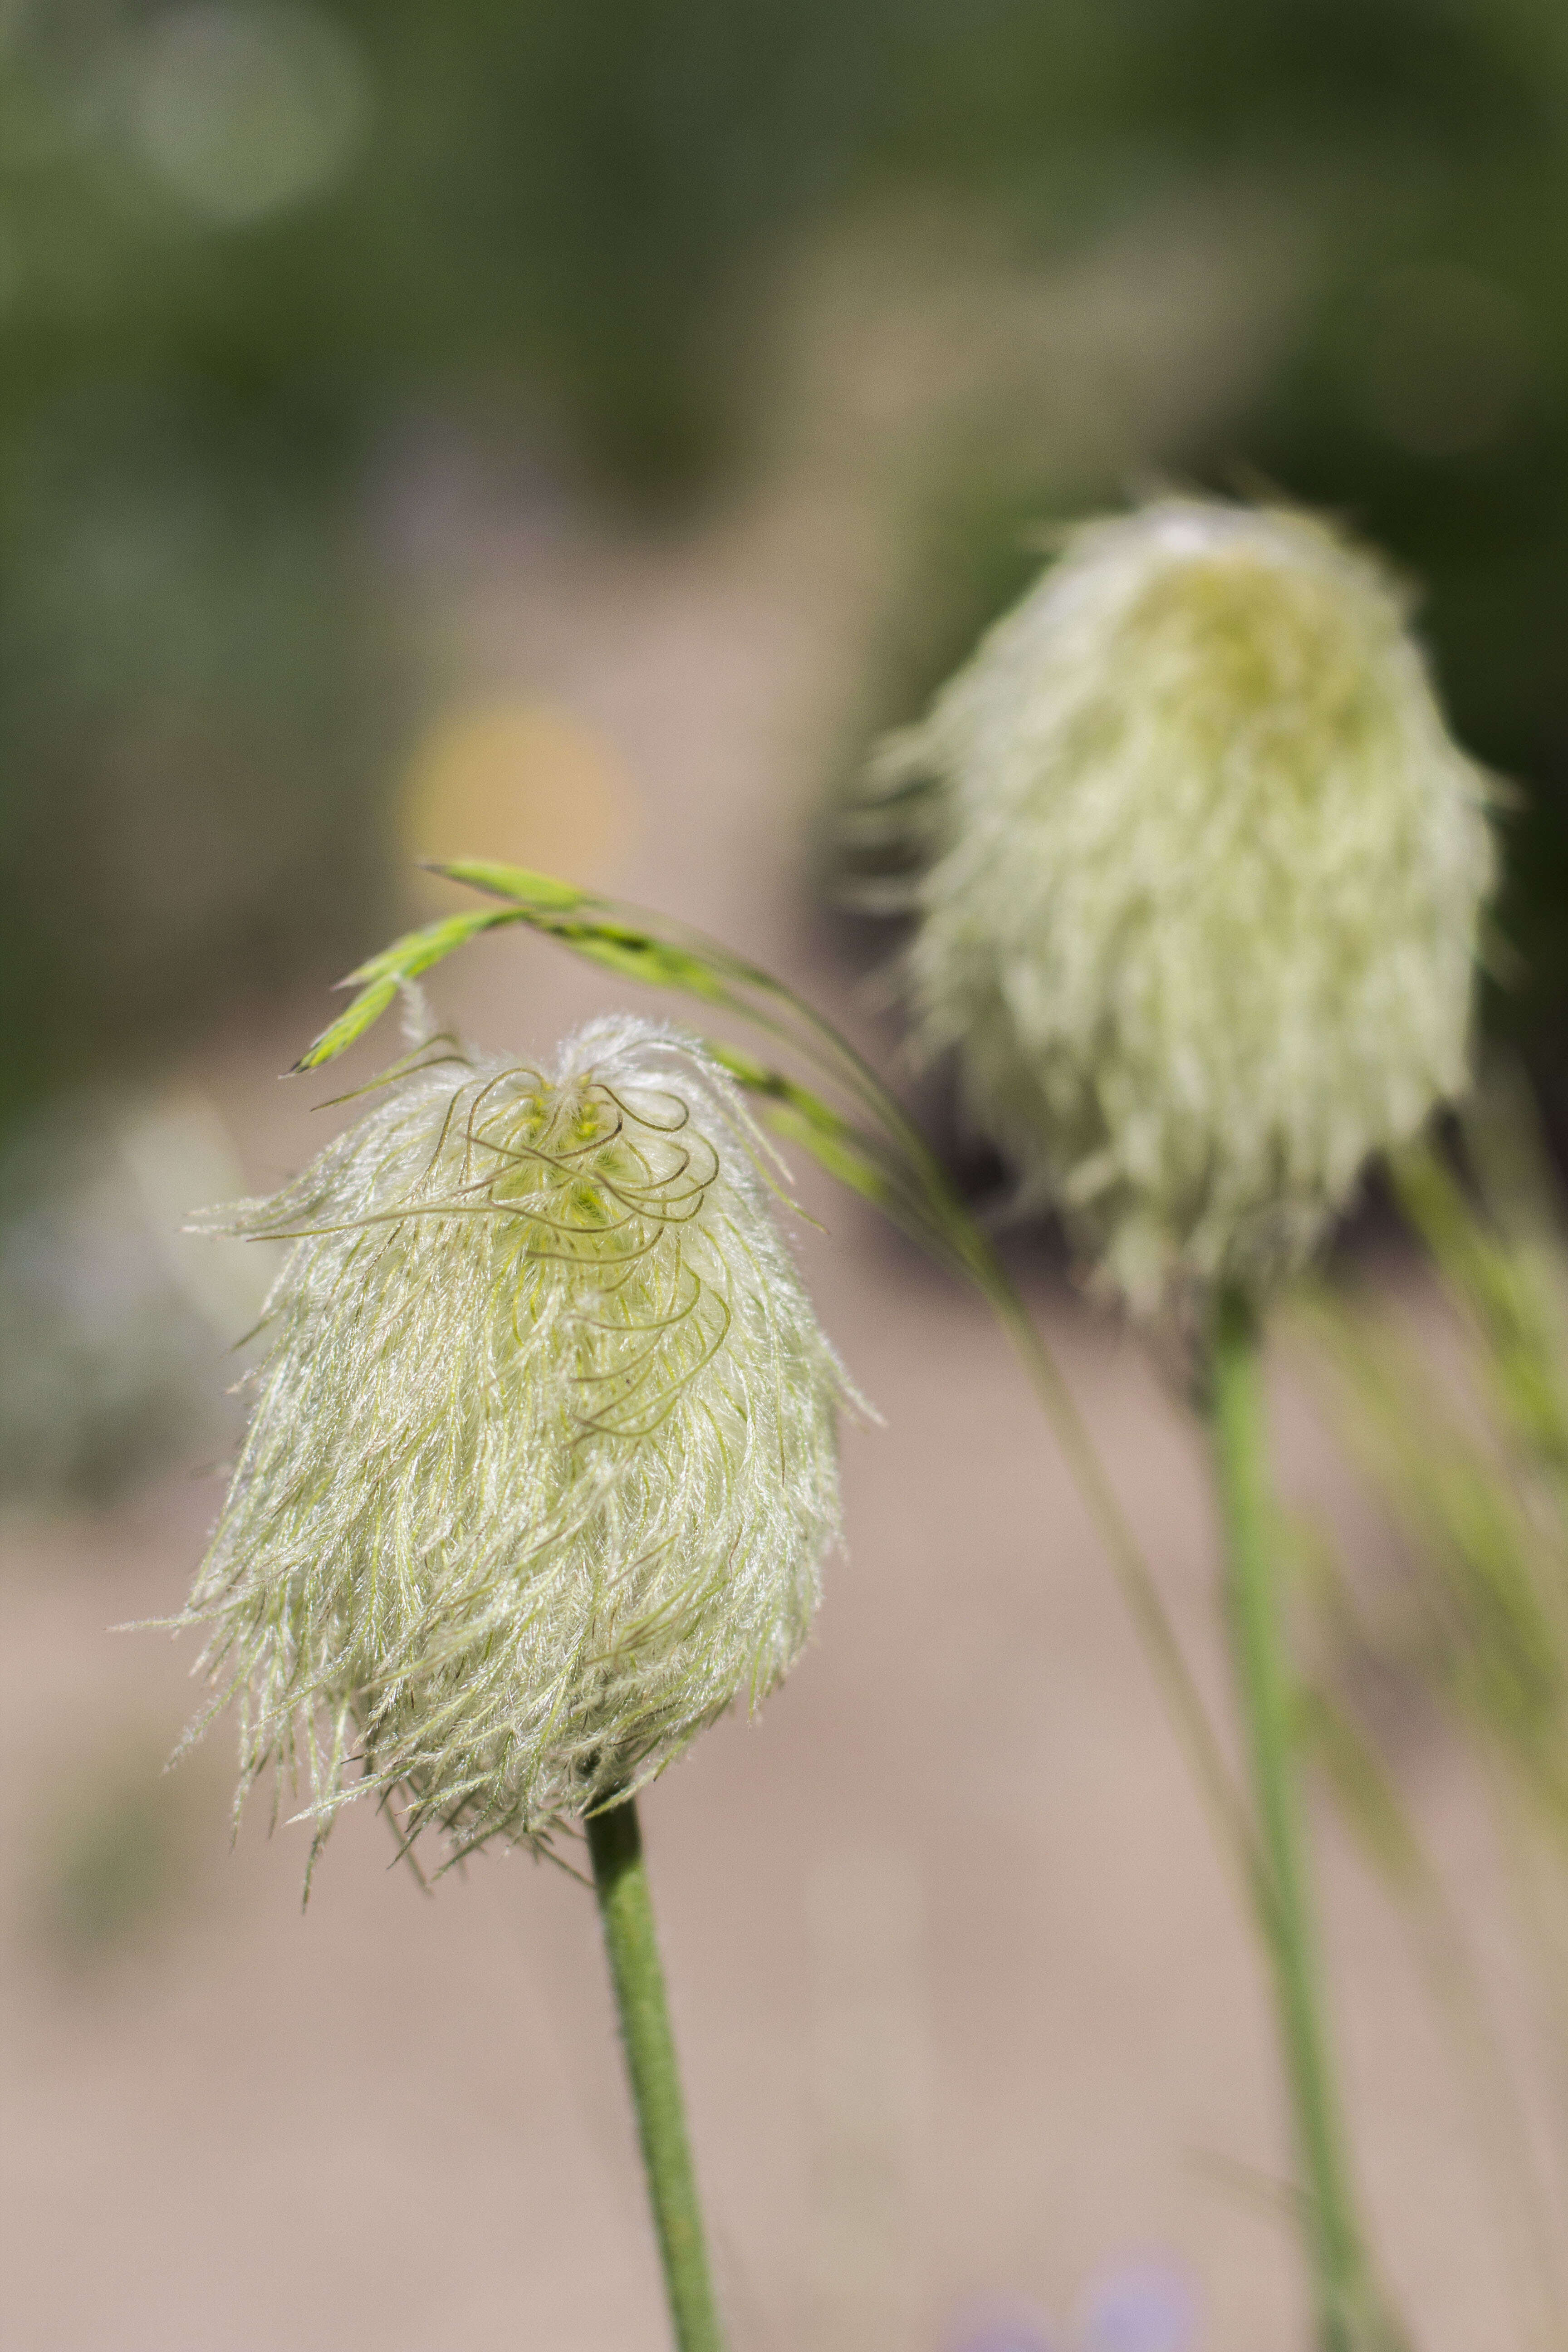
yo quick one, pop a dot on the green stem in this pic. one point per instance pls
(1348, 2316)
(626, 1908)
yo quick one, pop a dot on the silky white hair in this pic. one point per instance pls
(1202, 874)
(542, 1467)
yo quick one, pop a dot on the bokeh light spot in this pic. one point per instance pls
(245, 111)
(524, 782)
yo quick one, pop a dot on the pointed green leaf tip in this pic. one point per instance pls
(381, 977)
(541, 892)
(362, 1013)
(547, 905)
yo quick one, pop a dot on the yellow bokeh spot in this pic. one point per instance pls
(526, 782)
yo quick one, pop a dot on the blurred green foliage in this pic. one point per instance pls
(1466, 1445)
(241, 240)
(1460, 1429)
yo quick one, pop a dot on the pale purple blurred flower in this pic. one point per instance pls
(1000, 2326)
(1140, 2307)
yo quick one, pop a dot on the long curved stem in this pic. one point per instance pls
(1350, 2317)
(625, 1909)
(1161, 1645)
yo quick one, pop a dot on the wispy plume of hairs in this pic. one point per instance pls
(542, 1467)
(1201, 876)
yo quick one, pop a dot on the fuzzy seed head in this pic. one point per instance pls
(1203, 872)
(542, 1466)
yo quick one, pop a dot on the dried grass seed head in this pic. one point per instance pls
(1203, 878)
(542, 1466)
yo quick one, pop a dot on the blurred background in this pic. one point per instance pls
(570, 436)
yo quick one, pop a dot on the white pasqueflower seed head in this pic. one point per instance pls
(1204, 876)
(542, 1467)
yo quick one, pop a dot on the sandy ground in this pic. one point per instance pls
(971, 2020)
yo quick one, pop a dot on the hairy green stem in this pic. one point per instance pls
(1349, 2317)
(626, 1908)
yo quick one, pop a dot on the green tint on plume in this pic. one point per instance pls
(542, 1466)
(1204, 873)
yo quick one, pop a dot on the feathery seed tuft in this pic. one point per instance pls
(1201, 877)
(542, 1466)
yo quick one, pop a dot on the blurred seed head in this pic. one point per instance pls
(113, 1324)
(542, 1467)
(1203, 872)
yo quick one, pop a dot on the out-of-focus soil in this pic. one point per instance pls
(967, 2005)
